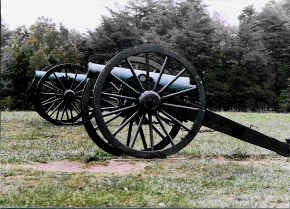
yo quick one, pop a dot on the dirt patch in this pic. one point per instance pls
(111, 167)
(133, 166)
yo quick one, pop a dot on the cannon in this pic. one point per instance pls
(146, 102)
(146, 112)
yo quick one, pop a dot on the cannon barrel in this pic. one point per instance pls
(123, 73)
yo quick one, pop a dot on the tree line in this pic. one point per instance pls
(243, 68)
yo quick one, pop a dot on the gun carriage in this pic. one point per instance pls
(147, 102)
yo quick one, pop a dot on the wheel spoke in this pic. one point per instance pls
(180, 106)
(172, 81)
(126, 84)
(50, 107)
(137, 131)
(50, 100)
(113, 118)
(134, 74)
(71, 112)
(164, 129)
(194, 105)
(80, 84)
(56, 100)
(143, 139)
(52, 84)
(76, 108)
(158, 132)
(115, 87)
(161, 73)
(109, 108)
(147, 70)
(111, 102)
(129, 133)
(151, 132)
(178, 93)
(118, 96)
(166, 120)
(176, 121)
(156, 129)
(59, 81)
(125, 123)
(50, 93)
(57, 106)
(72, 83)
(119, 110)
(57, 113)
(66, 112)
(53, 88)
(80, 91)
(63, 110)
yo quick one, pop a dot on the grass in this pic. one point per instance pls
(27, 137)
(214, 171)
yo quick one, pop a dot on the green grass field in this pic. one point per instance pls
(213, 171)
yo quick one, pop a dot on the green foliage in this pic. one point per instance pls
(241, 68)
(27, 50)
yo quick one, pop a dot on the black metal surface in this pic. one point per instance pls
(239, 131)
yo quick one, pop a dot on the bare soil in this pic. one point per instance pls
(132, 166)
(110, 167)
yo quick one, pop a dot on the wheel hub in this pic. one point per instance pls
(69, 95)
(149, 101)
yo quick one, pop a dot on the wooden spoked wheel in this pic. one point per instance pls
(114, 87)
(59, 92)
(146, 107)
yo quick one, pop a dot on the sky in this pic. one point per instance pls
(83, 15)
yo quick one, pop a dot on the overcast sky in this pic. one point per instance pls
(86, 14)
